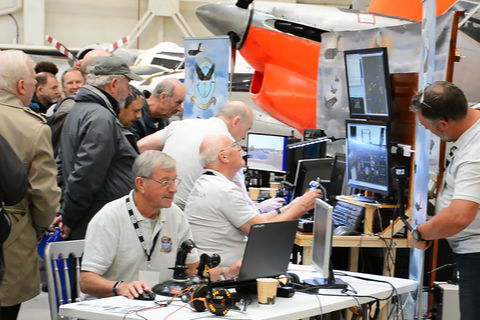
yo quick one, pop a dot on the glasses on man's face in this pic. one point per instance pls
(165, 182)
(422, 100)
(233, 145)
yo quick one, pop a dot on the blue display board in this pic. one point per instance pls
(206, 76)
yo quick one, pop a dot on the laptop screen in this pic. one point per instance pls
(268, 250)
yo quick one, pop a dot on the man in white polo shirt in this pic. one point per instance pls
(132, 241)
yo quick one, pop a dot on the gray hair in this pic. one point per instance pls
(149, 160)
(13, 67)
(441, 100)
(100, 81)
(167, 86)
(233, 109)
(209, 150)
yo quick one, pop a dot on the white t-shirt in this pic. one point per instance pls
(461, 180)
(182, 142)
(113, 249)
(215, 210)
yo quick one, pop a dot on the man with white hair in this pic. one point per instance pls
(96, 157)
(181, 140)
(29, 136)
(218, 213)
(140, 235)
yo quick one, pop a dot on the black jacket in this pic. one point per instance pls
(96, 158)
(147, 124)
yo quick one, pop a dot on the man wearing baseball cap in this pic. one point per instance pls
(96, 158)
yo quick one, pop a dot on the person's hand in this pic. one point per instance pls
(56, 223)
(66, 230)
(271, 204)
(234, 270)
(132, 289)
(422, 245)
(307, 201)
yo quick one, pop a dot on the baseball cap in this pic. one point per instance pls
(113, 65)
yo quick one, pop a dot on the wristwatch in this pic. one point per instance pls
(416, 235)
(114, 289)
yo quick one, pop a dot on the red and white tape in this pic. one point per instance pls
(61, 48)
(118, 44)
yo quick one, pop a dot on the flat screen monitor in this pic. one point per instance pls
(311, 169)
(266, 152)
(337, 180)
(368, 155)
(322, 247)
(368, 83)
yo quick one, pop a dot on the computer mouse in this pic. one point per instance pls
(344, 231)
(146, 295)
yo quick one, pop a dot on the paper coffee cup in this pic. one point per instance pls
(267, 290)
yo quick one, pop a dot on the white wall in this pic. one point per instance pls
(77, 23)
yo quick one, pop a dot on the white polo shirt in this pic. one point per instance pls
(461, 180)
(182, 142)
(113, 249)
(216, 209)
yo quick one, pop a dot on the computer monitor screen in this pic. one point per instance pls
(311, 169)
(266, 152)
(322, 237)
(367, 152)
(368, 83)
(337, 180)
(322, 246)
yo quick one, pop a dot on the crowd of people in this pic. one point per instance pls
(101, 162)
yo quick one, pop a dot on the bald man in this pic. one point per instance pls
(218, 213)
(182, 139)
(166, 100)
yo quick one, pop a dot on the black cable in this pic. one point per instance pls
(392, 294)
(394, 290)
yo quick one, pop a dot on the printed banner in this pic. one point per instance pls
(206, 76)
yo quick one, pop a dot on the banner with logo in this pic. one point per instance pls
(206, 76)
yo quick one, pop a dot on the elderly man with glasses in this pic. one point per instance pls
(133, 241)
(219, 215)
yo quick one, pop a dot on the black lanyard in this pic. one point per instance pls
(139, 231)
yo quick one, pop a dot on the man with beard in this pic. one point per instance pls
(96, 157)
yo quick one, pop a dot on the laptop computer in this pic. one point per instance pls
(266, 254)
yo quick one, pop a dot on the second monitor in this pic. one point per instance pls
(266, 152)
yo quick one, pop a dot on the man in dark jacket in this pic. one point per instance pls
(96, 157)
(166, 100)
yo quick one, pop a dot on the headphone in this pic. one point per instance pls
(218, 301)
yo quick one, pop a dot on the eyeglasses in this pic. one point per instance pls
(422, 100)
(233, 145)
(165, 183)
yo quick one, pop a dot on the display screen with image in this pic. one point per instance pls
(367, 153)
(266, 152)
(368, 83)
